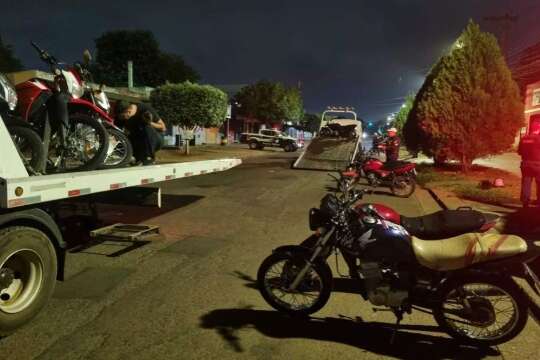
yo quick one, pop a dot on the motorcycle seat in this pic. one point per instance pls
(391, 165)
(465, 250)
(444, 224)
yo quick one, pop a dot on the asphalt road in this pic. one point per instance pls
(191, 295)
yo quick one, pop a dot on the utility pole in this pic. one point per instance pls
(503, 23)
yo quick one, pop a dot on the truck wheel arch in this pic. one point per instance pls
(39, 219)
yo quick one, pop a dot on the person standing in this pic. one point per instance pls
(529, 150)
(392, 144)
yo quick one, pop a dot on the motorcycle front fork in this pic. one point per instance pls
(309, 262)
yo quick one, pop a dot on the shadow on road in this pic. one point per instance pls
(77, 219)
(369, 336)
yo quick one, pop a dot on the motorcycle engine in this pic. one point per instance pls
(384, 286)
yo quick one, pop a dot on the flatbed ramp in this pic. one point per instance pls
(328, 153)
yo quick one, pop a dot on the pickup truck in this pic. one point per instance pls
(270, 137)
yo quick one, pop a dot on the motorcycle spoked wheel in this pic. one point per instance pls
(30, 148)
(87, 144)
(498, 310)
(276, 274)
(120, 151)
(403, 186)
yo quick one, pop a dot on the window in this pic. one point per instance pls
(536, 97)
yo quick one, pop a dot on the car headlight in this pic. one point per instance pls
(7, 92)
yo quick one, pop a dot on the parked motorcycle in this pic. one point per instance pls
(465, 281)
(27, 141)
(75, 142)
(95, 103)
(338, 130)
(398, 175)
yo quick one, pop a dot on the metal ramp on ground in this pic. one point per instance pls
(328, 153)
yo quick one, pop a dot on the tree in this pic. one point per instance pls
(469, 106)
(268, 101)
(294, 110)
(311, 122)
(174, 69)
(190, 106)
(8, 61)
(151, 67)
(403, 113)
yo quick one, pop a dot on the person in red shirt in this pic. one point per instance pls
(529, 149)
(392, 144)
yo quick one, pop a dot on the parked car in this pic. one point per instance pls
(273, 138)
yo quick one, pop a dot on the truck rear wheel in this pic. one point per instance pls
(253, 145)
(28, 270)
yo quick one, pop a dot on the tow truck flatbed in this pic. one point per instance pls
(31, 190)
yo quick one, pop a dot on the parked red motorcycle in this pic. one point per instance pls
(74, 142)
(94, 103)
(398, 175)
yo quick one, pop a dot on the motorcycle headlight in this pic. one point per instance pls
(7, 92)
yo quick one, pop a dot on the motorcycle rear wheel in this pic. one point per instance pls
(484, 294)
(279, 270)
(30, 147)
(403, 186)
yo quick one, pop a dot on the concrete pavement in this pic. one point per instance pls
(191, 295)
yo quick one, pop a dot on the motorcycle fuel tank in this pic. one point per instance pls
(386, 212)
(386, 242)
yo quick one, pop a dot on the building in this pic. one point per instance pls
(532, 106)
(526, 71)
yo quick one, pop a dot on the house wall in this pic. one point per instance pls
(532, 105)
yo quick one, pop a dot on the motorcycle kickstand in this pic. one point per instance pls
(399, 316)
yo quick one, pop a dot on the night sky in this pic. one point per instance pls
(366, 54)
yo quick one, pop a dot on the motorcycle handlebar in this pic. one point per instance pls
(44, 55)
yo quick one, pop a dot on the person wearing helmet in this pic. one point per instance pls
(392, 145)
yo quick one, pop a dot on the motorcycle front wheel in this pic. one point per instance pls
(481, 310)
(279, 270)
(120, 151)
(87, 144)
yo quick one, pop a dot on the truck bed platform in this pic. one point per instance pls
(31, 190)
(328, 153)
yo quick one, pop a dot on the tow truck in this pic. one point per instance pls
(336, 144)
(32, 246)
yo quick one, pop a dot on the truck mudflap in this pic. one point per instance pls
(328, 153)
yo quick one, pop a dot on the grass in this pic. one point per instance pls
(469, 186)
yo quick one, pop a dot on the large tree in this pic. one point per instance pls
(174, 69)
(151, 66)
(403, 113)
(469, 107)
(190, 106)
(8, 61)
(270, 101)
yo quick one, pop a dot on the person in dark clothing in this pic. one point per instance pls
(145, 130)
(529, 149)
(392, 144)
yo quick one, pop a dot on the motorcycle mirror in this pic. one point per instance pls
(87, 56)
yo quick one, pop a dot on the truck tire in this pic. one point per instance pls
(288, 147)
(253, 145)
(28, 268)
